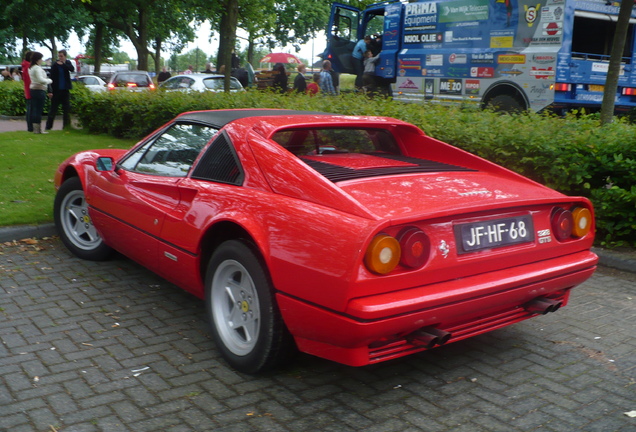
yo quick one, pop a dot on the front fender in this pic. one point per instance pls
(80, 164)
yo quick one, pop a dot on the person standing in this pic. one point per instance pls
(326, 81)
(26, 79)
(369, 78)
(61, 76)
(314, 87)
(163, 75)
(280, 78)
(358, 59)
(300, 82)
(39, 83)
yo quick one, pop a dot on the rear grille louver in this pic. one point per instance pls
(337, 173)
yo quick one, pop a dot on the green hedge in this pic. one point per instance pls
(13, 102)
(571, 154)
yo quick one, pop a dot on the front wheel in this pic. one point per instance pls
(246, 324)
(74, 224)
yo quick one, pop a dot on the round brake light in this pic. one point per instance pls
(383, 254)
(415, 247)
(582, 221)
(562, 224)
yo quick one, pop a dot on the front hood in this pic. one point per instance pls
(440, 194)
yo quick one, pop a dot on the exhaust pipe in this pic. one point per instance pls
(443, 336)
(542, 305)
(428, 337)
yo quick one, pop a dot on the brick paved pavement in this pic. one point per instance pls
(111, 347)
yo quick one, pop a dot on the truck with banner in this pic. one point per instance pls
(507, 54)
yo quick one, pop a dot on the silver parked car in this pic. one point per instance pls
(200, 82)
(92, 82)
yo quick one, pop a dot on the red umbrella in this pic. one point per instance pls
(280, 58)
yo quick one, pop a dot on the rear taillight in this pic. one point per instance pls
(562, 87)
(582, 221)
(152, 86)
(383, 254)
(628, 91)
(111, 86)
(415, 247)
(562, 224)
(576, 223)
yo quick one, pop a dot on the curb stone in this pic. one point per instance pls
(607, 258)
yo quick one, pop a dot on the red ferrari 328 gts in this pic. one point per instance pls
(355, 239)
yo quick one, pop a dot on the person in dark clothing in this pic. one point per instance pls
(163, 75)
(300, 82)
(61, 76)
(280, 79)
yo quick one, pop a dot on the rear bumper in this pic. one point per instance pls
(378, 328)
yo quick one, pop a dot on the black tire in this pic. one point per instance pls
(74, 225)
(246, 323)
(505, 103)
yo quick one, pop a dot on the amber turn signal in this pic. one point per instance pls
(582, 221)
(383, 254)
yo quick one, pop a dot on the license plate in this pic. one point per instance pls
(596, 88)
(494, 233)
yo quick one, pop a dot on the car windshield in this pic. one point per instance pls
(216, 83)
(337, 140)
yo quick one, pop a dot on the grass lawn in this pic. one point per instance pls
(27, 166)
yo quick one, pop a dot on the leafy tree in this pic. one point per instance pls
(147, 23)
(196, 58)
(44, 22)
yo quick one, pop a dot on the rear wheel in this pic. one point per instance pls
(245, 320)
(74, 224)
(505, 103)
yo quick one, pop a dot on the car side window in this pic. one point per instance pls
(174, 83)
(185, 82)
(220, 163)
(172, 153)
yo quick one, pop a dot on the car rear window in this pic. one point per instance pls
(139, 79)
(337, 140)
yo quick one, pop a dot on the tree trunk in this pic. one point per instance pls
(618, 44)
(227, 39)
(98, 45)
(157, 55)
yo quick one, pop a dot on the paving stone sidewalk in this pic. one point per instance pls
(110, 347)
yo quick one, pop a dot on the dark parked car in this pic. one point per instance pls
(131, 80)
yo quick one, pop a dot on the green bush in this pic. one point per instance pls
(12, 97)
(13, 102)
(572, 154)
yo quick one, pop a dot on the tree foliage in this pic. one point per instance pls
(155, 27)
(42, 22)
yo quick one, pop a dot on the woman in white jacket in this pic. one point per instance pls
(39, 83)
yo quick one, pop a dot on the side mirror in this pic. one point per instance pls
(104, 164)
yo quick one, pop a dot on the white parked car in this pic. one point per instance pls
(200, 82)
(92, 82)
